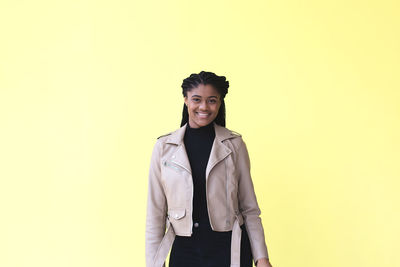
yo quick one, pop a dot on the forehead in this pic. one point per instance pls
(204, 91)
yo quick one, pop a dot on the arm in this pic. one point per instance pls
(156, 207)
(249, 208)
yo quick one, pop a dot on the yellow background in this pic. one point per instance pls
(87, 86)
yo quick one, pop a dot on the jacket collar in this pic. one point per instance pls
(219, 150)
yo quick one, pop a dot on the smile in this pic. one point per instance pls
(203, 115)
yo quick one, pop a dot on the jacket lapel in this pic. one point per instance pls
(218, 151)
(179, 157)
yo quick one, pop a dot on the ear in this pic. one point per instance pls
(185, 99)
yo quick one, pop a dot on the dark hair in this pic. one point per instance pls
(204, 77)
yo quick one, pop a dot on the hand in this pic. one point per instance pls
(263, 262)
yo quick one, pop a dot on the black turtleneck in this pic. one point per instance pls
(198, 143)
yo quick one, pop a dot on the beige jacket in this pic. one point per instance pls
(230, 193)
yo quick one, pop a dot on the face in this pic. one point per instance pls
(203, 104)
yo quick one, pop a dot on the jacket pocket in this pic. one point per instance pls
(176, 213)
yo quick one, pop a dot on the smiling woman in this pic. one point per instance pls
(200, 184)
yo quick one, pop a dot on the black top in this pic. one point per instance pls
(198, 143)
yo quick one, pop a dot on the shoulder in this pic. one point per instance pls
(233, 137)
(232, 134)
(235, 134)
(159, 142)
(225, 133)
(229, 132)
(164, 135)
(236, 139)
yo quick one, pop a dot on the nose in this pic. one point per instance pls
(203, 105)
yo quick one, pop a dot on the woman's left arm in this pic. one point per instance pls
(249, 208)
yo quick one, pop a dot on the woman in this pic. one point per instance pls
(200, 188)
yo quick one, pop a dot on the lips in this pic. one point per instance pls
(202, 114)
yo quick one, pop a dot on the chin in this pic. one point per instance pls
(203, 123)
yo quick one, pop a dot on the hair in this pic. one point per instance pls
(204, 77)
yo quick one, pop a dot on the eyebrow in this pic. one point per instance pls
(200, 96)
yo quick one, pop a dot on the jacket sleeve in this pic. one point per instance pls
(248, 205)
(156, 207)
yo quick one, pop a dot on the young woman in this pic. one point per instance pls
(201, 200)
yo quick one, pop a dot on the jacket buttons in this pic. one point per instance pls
(176, 216)
(196, 224)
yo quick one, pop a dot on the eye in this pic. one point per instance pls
(196, 100)
(212, 101)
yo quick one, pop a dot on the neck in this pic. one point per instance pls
(200, 127)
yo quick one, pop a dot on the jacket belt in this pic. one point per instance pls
(169, 237)
(235, 242)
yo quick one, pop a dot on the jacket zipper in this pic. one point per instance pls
(227, 222)
(174, 165)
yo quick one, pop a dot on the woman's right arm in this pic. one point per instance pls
(156, 206)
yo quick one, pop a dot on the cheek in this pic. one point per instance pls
(191, 110)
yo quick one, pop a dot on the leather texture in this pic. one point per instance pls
(231, 200)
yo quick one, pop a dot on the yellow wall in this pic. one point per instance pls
(87, 86)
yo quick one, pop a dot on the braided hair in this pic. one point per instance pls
(204, 77)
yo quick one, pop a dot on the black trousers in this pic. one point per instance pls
(208, 248)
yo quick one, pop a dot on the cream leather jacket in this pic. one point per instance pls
(230, 193)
